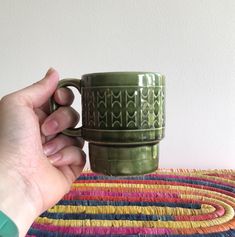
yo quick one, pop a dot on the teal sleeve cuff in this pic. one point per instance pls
(7, 227)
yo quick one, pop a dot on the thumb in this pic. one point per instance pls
(38, 94)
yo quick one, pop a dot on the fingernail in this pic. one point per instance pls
(48, 149)
(59, 94)
(50, 127)
(50, 70)
(54, 158)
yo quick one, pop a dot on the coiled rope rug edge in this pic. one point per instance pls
(168, 202)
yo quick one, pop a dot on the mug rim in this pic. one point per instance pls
(122, 72)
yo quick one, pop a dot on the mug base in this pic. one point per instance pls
(124, 160)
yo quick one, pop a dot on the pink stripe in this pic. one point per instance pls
(169, 183)
(102, 230)
(227, 176)
(100, 193)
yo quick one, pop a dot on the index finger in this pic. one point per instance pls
(63, 96)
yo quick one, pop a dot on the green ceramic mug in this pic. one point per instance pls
(123, 120)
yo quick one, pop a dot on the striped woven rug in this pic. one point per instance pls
(165, 203)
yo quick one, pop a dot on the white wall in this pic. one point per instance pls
(191, 42)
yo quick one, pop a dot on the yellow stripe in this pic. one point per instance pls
(146, 210)
(128, 223)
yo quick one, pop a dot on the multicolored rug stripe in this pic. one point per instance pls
(166, 203)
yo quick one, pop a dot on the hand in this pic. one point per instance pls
(37, 166)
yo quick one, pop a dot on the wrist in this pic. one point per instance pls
(15, 202)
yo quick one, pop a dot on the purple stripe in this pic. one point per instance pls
(176, 177)
(102, 230)
(123, 194)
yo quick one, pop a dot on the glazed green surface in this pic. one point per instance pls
(125, 160)
(123, 117)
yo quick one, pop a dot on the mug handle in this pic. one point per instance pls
(74, 132)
